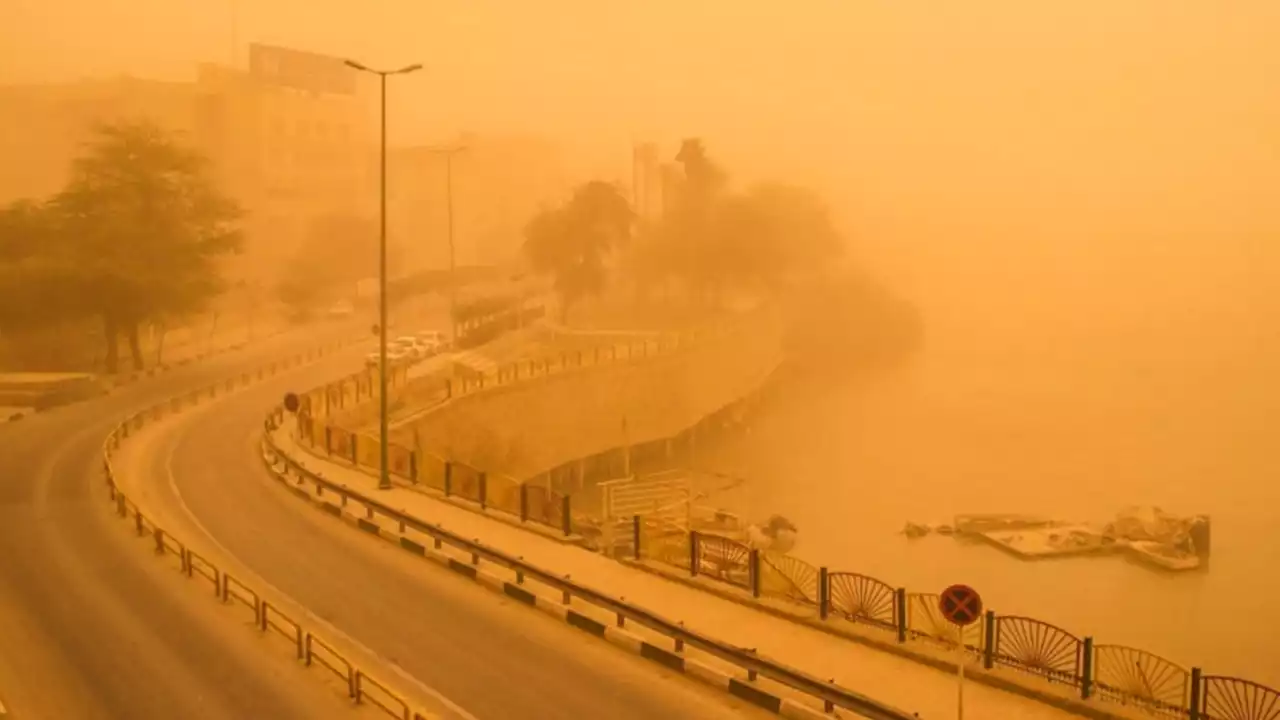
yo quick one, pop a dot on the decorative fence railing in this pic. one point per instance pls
(1106, 673)
(539, 500)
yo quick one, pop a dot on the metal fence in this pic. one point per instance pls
(1106, 673)
(831, 694)
(540, 500)
(309, 648)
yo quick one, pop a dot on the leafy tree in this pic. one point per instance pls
(338, 251)
(145, 226)
(572, 243)
(713, 239)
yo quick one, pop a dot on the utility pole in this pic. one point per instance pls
(384, 477)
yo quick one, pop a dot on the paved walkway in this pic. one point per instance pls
(891, 679)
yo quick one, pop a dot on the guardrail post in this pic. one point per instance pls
(753, 572)
(524, 503)
(120, 508)
(824, 593)
(328, 440)
(635, 536)
(693, 553)
(186, 561)
(355, 449)
(159, 536)
(1196, 701)
(413, 466)
(566, 516)
(1086, 669)
(448, 478)
(484, 489)
(989, 642)
(137, 522)
(900, 605)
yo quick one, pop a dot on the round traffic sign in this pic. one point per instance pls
(960, 604)
(291, 402)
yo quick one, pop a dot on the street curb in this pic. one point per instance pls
(669, 659)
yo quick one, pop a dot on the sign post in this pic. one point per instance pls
(962, 606)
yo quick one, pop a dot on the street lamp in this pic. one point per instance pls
(384, 477)
(448, 153)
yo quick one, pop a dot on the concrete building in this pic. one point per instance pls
(292, 138)
(499, 183)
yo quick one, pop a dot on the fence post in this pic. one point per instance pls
(693, 553)
(753, 572)
(635, 536)
(1086, 670)
(524, 503)
(328, 440)
(448, 478)
(989, 642)
(566, 516)
(159, 535)
(1196, 701)
(824, 593)
(900, 600)
(413, 466)
(484, 489)
(355, 449)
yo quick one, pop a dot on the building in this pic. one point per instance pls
(498, 184)
(291, 139)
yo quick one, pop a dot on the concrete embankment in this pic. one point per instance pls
(526, 428)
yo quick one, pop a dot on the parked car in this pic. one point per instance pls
(394, 356)
(433, 339)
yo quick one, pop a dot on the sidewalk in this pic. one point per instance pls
(889, 678)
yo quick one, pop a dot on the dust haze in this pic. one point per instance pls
(1079, 199)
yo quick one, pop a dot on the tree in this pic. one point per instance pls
(571, 243)
(714, 239)
(145, 226)
(339, 250)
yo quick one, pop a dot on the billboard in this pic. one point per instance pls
(301, 70)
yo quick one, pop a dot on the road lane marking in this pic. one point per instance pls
(396, 669)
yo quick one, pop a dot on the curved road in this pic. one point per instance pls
(91, 626)
(477, 655)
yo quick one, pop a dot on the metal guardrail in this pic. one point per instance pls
(310, 648)
(831, 694)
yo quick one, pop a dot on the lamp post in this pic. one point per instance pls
(384, 477)
(448, 153)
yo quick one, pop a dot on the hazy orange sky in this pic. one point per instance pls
(1044, 130)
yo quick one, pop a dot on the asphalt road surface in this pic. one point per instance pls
(91, 626)
(470, 653)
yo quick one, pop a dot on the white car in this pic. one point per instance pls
(433, 340)
(394, 356)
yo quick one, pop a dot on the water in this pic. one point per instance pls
(1070, 410)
